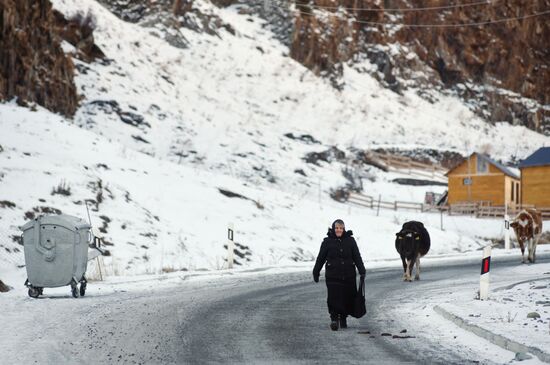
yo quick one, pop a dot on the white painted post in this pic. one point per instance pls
(484, 278)
(230, 246)
(506, 229)
(99, 261)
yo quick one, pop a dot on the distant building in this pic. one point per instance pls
(535, 179)
(480, 179)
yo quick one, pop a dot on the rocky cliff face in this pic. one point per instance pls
(322, 42)
(512, 55)
(33, 66)
(502, 69)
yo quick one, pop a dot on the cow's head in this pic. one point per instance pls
(523, 226)
(408, 241)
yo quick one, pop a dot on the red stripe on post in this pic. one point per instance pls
(485, 265)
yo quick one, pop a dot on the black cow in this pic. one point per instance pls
(412, 242)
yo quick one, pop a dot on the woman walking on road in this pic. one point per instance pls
(341, 255)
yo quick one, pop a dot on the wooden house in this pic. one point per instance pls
(480, 179)
(535, 179)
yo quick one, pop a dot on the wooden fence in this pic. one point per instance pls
(481, 209)
(467, 208)
(409, 166)
(485, 209)
(368, 201)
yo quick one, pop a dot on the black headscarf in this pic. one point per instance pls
(338, 221)
(332, 231)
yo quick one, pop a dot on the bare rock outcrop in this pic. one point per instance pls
(502, 68)
(78, 30)
(33, 66)
(3, 287)
(511, 55)
(322, 41)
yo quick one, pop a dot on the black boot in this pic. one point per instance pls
(343, 322)
(334, 322)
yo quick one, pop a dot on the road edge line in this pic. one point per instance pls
(494, 338)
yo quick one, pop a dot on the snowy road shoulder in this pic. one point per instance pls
(455, 292)
(129, 320)
(515, 313)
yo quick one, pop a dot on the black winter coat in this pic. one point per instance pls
(341, 256)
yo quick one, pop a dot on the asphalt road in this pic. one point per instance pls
(255, 318)
(290, 324)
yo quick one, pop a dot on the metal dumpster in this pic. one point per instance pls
(56, 253)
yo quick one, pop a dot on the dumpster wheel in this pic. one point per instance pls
(34, 292)
(74, 289)
(83, 283)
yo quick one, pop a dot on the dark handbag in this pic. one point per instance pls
(359, 307)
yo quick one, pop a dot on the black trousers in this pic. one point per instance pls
(340, 295)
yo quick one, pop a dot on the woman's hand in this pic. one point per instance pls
(316, 278)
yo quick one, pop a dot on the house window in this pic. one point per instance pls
(517, 192)
(467, 181)
(482, 166)
(512, 196)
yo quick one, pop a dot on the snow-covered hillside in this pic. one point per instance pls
(233, 97)
(163, 216)
(161, 129)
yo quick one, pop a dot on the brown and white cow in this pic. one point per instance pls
(528, 227)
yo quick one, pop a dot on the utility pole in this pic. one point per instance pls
(506, 229)
(469, 178)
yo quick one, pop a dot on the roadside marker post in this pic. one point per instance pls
(484, 278)
(506, 230)
(230, 246)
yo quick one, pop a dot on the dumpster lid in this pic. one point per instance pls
(63, 220)
(27, 225)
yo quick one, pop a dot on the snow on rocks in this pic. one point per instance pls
(222, 98)
(3, 287)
